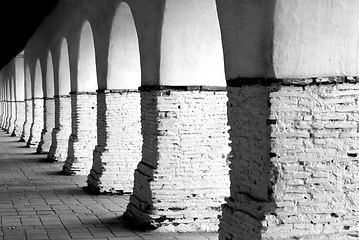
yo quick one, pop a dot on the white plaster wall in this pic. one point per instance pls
(191, 46)
(124, 70)
(316, 38)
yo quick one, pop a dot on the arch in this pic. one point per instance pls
(38, 93)
(8, 90)
(64, 81)
(19, 78)
(12, 89)
(124, 67)
(86, 74)
(28, 92)
(191, 44)
(49, 77)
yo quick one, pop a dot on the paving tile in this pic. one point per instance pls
(38, 203)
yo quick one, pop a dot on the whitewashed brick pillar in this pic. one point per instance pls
(83, 137)
(12, 117)
(28, 120)
(251, 170)
(62, 129)
(37, 122)
(20, 118)
(119, 141)
(49, 123)
(4, 115)
(8, 115)
(182, 179)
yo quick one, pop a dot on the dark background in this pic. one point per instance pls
(19, 20)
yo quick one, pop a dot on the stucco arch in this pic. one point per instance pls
(8, 90)
(50, 91)
(124, 67)
(86, 74)
(12, 89)
(191, 44)
(64, 80)
(19, 78)
(37, 90)
(28, 92)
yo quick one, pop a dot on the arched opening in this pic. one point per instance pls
(64, 83)
(28, 93)
(19, 78)
(12, 89)
(87, 75)
(49, 77)
(124, 70)
(120, 113)
(191, 45)
(38, 92)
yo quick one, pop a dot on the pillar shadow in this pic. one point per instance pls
(252, 174)
(141, 203)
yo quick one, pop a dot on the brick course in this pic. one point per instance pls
(119, 139)
(37, 122)
(49, 124)
(310, 157)
(182, 179)
(28, 120)
(12, 117)
(83, 137)
(62, 129)
(20, 118)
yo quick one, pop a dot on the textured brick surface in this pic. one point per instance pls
(49, 124)
(250, 187)
(28, 120)
(62, 130)
(12, 117)
(182, 179)
(83, 137)
(37, 122)
(20, 118)
(3, 113)
(7, 116)
(307, 158)
(119, 142)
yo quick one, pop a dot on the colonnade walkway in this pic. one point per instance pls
(37, 202)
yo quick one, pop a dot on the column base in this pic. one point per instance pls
(27, 126)
(49, 124)
(182, 179)
(295, 146)
(37, 123)
(118, 152)
(84, 134)
(62, 130)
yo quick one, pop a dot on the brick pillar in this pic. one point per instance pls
(7, 116)
(12, 117)
(119, 141)
(28, 120)
(20, 118)
(4, 114)
(250, 175)
(37, 122)
(62, 129)
(83, 137)
(295, 154)
(49, 124)
(183, 177)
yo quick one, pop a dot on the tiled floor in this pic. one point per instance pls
(36, 202)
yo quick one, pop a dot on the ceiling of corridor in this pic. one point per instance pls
(18, 21)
